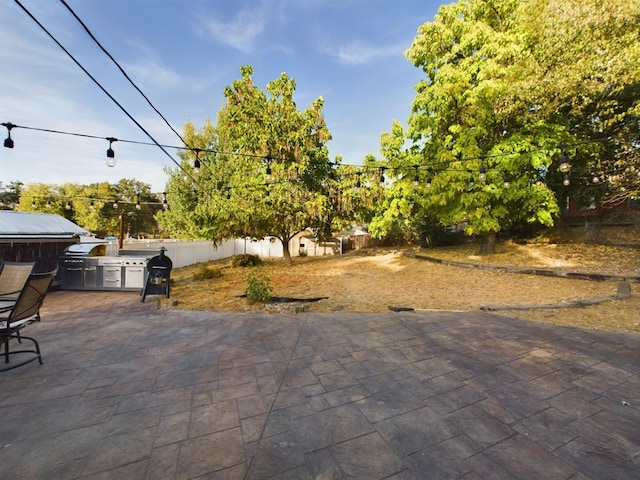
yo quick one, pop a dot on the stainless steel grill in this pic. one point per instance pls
(87, 268)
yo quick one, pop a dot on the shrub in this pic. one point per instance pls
(258, 287)
(206, 273)
(245, 260)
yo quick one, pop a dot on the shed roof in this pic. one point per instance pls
(16, 225)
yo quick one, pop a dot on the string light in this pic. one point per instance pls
(66, 200)
(111, 155)
(8, 142)
(483, 173)
(196, 162)
(564, 163)
(268, 169)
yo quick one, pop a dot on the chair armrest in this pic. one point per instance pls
(4, 294)
(6, 305)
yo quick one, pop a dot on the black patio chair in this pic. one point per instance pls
(24, 312)
(13, 276)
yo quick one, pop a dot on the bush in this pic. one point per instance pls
(245, 260)
(206, 273)
(258, 287)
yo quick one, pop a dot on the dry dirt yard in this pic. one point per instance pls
(371, 280)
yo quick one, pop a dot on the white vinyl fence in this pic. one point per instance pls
(183, 253)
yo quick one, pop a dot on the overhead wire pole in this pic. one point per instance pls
(124, 110)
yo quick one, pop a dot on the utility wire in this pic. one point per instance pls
(124, 110)
(121, 69)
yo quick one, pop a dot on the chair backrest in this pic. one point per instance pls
(14, 275)
(31, 297)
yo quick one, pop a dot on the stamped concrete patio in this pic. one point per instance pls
(128, 391)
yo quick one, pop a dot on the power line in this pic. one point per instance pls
(121, 70)
(124, 110)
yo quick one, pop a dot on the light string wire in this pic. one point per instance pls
(126, 76)
(431, 169)
(430, 166)
(124, 73)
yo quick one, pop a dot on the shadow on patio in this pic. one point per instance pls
(128, 391)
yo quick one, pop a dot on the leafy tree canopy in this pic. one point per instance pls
(493, 111)
(96, 207)
(264, 169)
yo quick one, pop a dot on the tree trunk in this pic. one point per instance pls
(591, 230)
(488, 245)
(285, 252)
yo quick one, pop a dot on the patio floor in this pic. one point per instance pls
(128, 391)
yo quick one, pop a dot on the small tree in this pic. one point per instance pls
(264, 168)
(479, 155)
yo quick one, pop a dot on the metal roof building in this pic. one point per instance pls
(23, 225)
(36, 237)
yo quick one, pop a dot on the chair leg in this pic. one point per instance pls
(36, 350)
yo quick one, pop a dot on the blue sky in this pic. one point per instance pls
(181, 54)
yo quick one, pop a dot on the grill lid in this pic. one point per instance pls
(86, 250)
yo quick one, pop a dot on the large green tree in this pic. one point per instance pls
(263, 169)
(481, 161)
(493, 115)
(583, 70)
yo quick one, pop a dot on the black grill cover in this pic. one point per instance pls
(158, 275)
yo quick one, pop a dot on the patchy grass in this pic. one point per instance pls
(372, 280)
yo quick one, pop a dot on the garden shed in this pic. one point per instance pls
(305, 244)
(36, 237)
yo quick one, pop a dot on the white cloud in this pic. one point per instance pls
(239, 33)
(358, 53)
(152, 72)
